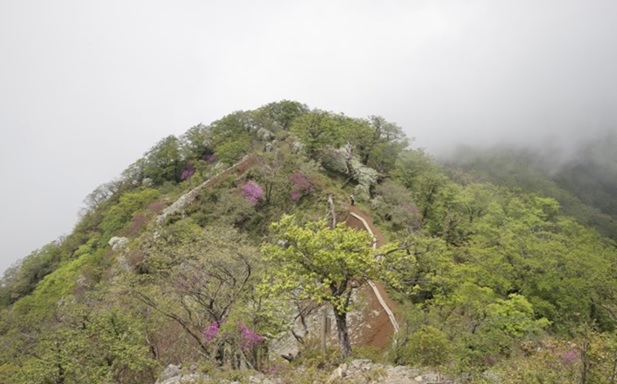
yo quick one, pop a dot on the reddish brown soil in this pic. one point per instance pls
(379, 331)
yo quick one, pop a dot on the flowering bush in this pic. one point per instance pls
(295, 195)
(187, 172)
(252, 192)
(300, 186)
(211, 158)
(249, 338)
(211, 332)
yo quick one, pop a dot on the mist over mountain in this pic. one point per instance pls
(581, 174)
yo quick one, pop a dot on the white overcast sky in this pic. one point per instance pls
(86, 87)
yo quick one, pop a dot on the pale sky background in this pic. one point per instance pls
(86, 87)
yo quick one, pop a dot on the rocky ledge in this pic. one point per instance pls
(358, 371)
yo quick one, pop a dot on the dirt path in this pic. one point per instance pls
(381, 328)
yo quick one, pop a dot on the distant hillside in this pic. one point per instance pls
(240, 250)
(584, 183)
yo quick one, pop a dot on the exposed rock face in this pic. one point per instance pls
(358, 371)
(173, 375)
(359, 318)
(186, 199)
(366, 372)
(118, 243)
(335, 160)
(343, 161)
(265, 135)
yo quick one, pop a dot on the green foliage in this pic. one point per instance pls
(394, 205)
(318, 129)
(283, 112)
(230, 151)
(317, 263)
(585, 180)
(21, 279)
(194, 143)
(381, 145)
(428, 346)
(163, 162)
(130, 203)
(197, 277)
(232, 136)
(101, 348)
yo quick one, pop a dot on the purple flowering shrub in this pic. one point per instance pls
(211, 158)
(244, 337)
(295, 195)
(570, 356)
(249, 338)
(188, 171)
(211, 332)
(252, 192)
(300, 186)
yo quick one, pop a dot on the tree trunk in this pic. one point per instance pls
(342, 332)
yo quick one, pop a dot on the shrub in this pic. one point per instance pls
(252, 192)
(428, 346)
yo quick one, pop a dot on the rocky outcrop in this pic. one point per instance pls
(173, 375)
(358, 371)
(187, 199)
(366, 372)
(118, 243)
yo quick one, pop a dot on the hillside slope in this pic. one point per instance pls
(218, 244)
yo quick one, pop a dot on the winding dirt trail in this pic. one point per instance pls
(383, 326)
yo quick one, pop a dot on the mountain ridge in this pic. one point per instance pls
(215, 244)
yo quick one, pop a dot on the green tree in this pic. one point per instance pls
(381, 147)
(198, 277)
(318, 263)
(283, 112)
(164, 161)
(316, 130)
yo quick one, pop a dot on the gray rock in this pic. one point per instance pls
(170, 371)
(265, 135)
(118, 243)
(147, 182)
(173, 375)
(365, 371)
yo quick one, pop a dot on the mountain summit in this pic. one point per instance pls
(287, 243)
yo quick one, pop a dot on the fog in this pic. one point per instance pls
(88, 86)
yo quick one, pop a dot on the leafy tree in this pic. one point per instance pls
(206, 275)
(283, 112)
(394, 204)
(194, 142)
(163, 162)
(380, 147)
(318, 129)
(318, 263)
(233, 148)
